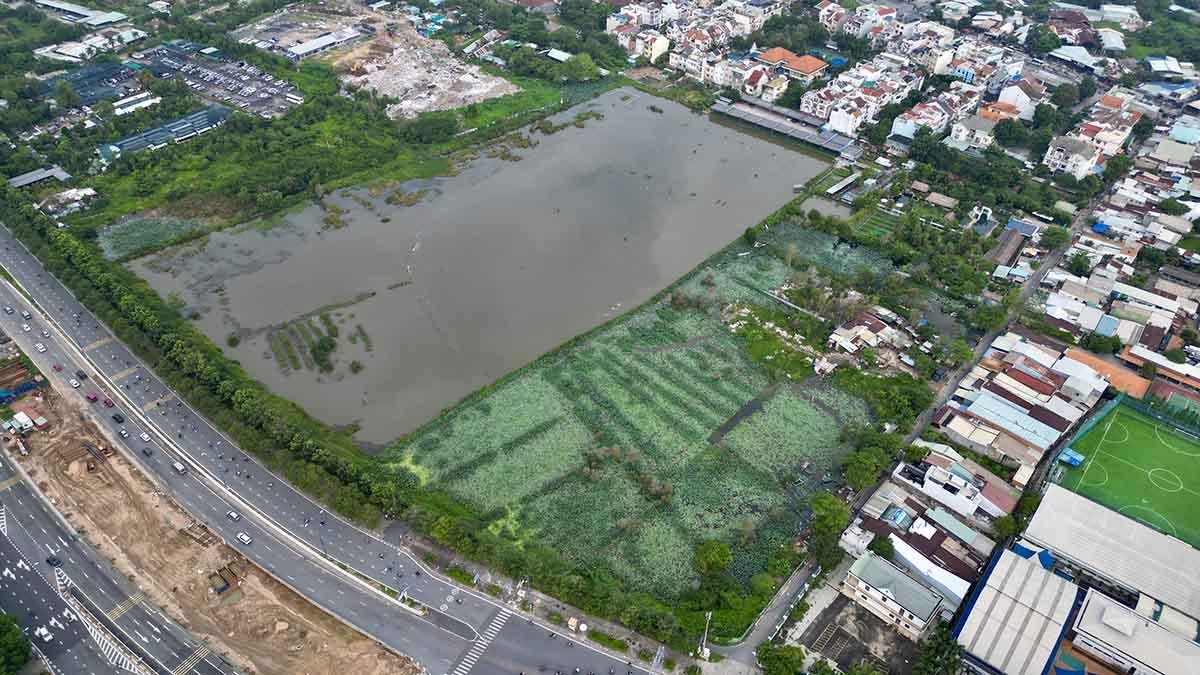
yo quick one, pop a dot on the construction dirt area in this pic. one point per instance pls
(257, 623)
(389, 56)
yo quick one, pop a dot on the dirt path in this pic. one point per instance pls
(752, 406)
(259, 625)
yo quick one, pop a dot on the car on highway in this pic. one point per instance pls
(8, 310)
(108, 403)
(26, 327)
(40, 347)
(81, 375)
(122, 433)
(145, 437)
(74, 383)
(118, 418)
(57, 367)
(244, 538)
(46, 334)
(26, 315)
(91, 396)
(147, 452)
(234, 516)
(53, 562)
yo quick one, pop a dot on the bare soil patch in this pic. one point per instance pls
(259, 624)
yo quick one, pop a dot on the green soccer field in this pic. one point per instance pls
(1143, 469)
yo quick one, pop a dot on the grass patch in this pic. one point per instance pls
(1143, 469)
(614, 643)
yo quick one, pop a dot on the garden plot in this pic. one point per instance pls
(601, 450)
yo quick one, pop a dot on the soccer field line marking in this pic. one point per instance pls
(1150, 475)
(1103, 437)
(1095, 467)
(1182, 487)
(1180, 451)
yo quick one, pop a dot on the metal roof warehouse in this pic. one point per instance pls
(178, 131)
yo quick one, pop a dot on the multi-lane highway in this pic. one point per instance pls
(462, 632)
(39, 537)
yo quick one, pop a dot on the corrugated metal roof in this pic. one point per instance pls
(1118, 548)
(1016, 620)
(1002, 414)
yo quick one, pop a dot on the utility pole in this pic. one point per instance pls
(704, 638)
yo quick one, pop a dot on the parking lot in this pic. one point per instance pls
(236, 84)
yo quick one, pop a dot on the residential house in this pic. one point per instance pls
(949, 106)
(973, 133)
(867, 17)
(891, 595)
(1071, 155)
(831, 15)
(804, 69)
(1025, 95)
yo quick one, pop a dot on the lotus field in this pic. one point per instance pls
(627, 447)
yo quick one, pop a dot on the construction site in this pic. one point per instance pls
(183, 568)
(378, 50)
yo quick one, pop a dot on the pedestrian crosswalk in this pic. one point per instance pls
(192, 661)
(482, 643)
(124, 606)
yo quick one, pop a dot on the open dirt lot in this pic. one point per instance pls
(259, 625)
(422, 73)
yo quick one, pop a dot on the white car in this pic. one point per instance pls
(26, 327)
(244, 538)
(74, 383)
(234, 516)
(122, 433)
(46, 334)
(40, 347)
(145, 437)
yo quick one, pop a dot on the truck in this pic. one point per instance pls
(179, 468)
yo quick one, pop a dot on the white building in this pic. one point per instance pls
(1025, 95)
(887, 592)
(1071, 155)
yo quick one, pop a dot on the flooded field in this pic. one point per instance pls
(379, 309)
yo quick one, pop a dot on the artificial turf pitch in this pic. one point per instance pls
(1143, 469)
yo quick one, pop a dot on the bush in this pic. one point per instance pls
(614, 643)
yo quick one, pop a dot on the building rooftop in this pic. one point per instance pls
(38, 175)
(1118, 548)
(1120, 627)
(920, 601)
(1017, 616)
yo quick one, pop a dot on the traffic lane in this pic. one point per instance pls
(36, 532)
(39, 610)
(365, 553)
(408, 634)
(509, 654)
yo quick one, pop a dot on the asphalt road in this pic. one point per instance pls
(464, 633)
(38, 534)
(45, 618)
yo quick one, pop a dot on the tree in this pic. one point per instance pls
(1079, 264)
(987, 316)
(1065, 95)
(940, 653)
(862, 668)
(712, 558)
(861, 470)
(1143, 128)
(65, 95)
(1041, 39)
(580, 68)
(821, 667)
(1176, 356)
(1010, 133)
(959, 352)
(1172, 207)
(1046, 116)
(829, 517)
(1038, 143)
(1055, 237)
(1087, 88)
(1148, 370)
(779, 659)
(1101, 344)
(1117, 166)
(14, 646)
(1004, 527)
(882, 547)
